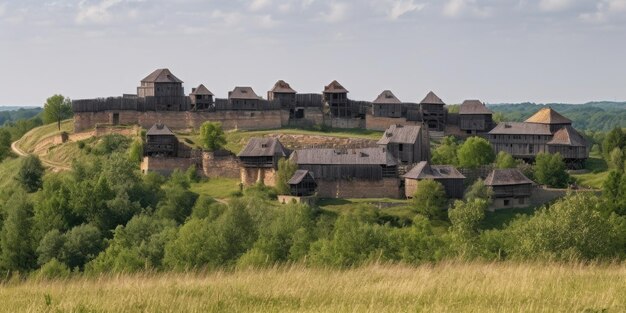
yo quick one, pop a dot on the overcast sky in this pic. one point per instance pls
(498, 51)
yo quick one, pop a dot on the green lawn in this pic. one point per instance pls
(598, 171)
(219, 188)
(31, 138)
(8, 168)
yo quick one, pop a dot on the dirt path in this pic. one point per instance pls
(56, 167)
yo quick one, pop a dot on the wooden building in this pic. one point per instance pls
(387, 105)
(244, 98)
(336, 98)
(284, 94)
(408, 144)
(451, 179)
(474, 117)
(571, 145)
(259, 160)
(511, 188)
(433, 112)
(160, 141)
(201, 98)
(302, 184)
(548, 116)
(165, 91)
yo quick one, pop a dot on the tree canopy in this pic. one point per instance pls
(474, 152)
(212, 136)
(56, 109)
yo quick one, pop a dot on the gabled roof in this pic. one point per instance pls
(366, 156)
(243, 93)
(161, 75)
(159, 130)
(258, 147)
(400, 134)
(548, 116)
(423, 170)
(473, 107)
(201, 90)
(335, 87)
(298, 176)
(519, 128)
(432, 98)
(387, 97)
(568, 136)
(504, 177)
(282, 87)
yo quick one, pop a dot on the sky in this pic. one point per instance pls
(541, 51)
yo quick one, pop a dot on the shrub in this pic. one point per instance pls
(53, 269)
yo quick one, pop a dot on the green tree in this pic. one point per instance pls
(505, 160)
(82, 244)
(430, 198)
(50, 247)
(16, 246)
(56, 109)
(212, 136)
(614, 139)
(466, 218)
(286, 169)
(550, 170)
(135, 152)
(31, 173)
(474, 152)
(446, 153)
(478, 190)
(5, 143)
(614, 192)
(616, 159)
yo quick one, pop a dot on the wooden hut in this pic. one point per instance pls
(571, 145)
(387, 105)
(161, 141)
(474, 117)
(409, 144)
(336, 98)
(433, 112)
(451, 179)
(244, 98)
(164, 91)
(302, 184)
(201, 98)
(511, 188)
(259, 160)
(284, 94)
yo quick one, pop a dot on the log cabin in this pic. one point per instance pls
(160, 141)
(259, 160)
(511, 188)
(475, 118)
(201, 98)
(408, 144)
(451, 179)
(433, 112)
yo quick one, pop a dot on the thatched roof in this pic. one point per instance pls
(423, 170)
(387, 97)
(201, 90)
(432, 98)
(335, 87)
(568, 136)
(548, 116)
(519, 128)
(258, 147)
(161, 75)
(366, 156)
(400, 134)
(504, 177)
(282, 87)
(298, 176)
(473, 107)
(159, 130)
(243, 93)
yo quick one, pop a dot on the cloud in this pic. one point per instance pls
(95, 13)
(401, 7)
(554, 5)
(456, 8)
(256, 5)
(267, 21)
(227, 18)
(3, 8)
(605, 10)
(337, 12)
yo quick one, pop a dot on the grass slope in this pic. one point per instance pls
(219, 188)
(31, 138)
(456, 287)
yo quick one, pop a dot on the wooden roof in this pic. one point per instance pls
(335, 87)
(504, 177)
(519, 128)
(548, 116)
(298, 176)
(161, 75)
(258, 147)
(400, 134)
(568, 136)
(432, 98)
(387, 97)
(473, 107)
(201, 90)
(243, 93)
(366, 156)
(423, 170)
(159, 130)
(282, 87)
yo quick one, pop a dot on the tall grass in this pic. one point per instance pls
(446, 287)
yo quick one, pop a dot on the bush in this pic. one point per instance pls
(430, 198)
(53, 269)
(474, 152)
(212, 136)
(31, 173)
(550, 170)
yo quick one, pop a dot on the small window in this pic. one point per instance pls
(520, 201)
(400, 147)
(507, 202)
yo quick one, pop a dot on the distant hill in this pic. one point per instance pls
(15, 108)
(14, 113)
(596, 116)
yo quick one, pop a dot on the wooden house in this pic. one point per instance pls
(550, 117)
(244, 98)
(433, 113)
(161, 141)
(511, 188)
(571, 145)
(387, 105)
(451, 179)
(259, 160)
(284, 94)
(165, 91)
(474, 117)
(201, 98)
(408, 144)
(302, 184)
(336, 98)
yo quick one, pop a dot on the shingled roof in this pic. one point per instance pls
(387, 97)
(548, 116)
(282, 87)
(366, 156)
(335, 87)
(432, 98)
(400, 134)
(298, 176)
(159, 130)
(201, 90)
(258, 147)
(473, 107)
(161, 75)
(519, 128)
(504, 177)
(423, 170)
(568, 136)
(243, 93)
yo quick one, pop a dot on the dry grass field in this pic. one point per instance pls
(453, 287)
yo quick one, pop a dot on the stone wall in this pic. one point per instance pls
(165, 166)
(344, 122)
(220, 166)
(382, 123)
(251, 176)
(284, 199)
(385, 188)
